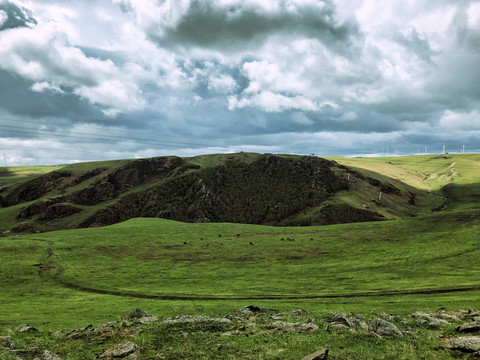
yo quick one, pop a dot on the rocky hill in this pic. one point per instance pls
(242, 188)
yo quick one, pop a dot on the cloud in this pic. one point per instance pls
(13, 16)
(230, 24)
(271, 102)
(42, 53)
(460, 120)
(219, 75)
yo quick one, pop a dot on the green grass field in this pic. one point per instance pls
(68, 279)
(17, 174)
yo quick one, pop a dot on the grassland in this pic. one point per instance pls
(68, 279)
(17, 174)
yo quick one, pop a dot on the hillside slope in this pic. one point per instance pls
(454, 177)
(241, 188)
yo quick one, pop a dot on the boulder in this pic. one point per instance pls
(252, 309)
(148, 319)
(79, 333)
(463, 343)
(25, 328)
(358, 321)
(340, 318)
(469, 327)
(387, 317)
(189, 319)
(317, 355)
(126, 350)
(281, 325)
(384, 328)
(298, 312)
(105, 331)
(137, 314)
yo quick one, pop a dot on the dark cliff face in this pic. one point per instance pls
(268, 190)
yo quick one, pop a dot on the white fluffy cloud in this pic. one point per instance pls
(44, 54)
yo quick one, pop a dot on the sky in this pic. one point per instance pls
(84, 80)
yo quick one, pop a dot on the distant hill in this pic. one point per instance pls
(241, 188)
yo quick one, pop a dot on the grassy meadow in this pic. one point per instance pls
(68, 279)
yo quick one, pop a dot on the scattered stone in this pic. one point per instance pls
(25, 328)
(189, 319)
(105, 331)
(387, 317)
(148, 320)
(450, 317)
(340, 319)
(57, 334)
(137, 314)
(463, 343)
(47, 355)
(421, 314)
(79, 333)
(28, 353)
(131, 332)
(252, 309)
(317, 355)
(280, 325)
(469, 327)
(34, 353)
(233, 318)
(6, 342)
(384, 328)
(126, 350)
(298, 312)
(359, 323)
(435, 323)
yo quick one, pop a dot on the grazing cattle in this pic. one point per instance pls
(251, 243)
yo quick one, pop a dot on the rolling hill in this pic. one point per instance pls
(240, 188)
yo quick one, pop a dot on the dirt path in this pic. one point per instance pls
(50, 270)
(138, 295)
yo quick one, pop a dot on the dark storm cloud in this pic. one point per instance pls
(206, 24)
(15, 16)
(16, 97)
